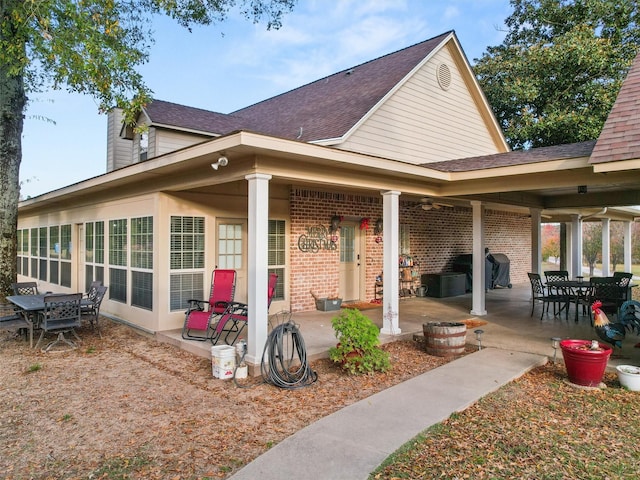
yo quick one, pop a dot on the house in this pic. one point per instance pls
(405, 142)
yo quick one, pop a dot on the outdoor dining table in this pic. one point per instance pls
(31, 305)
(576, 291)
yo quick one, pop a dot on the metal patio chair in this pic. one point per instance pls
(25, 288)
(203, 313)
(90, 307)
(61, 315)
(540, 293)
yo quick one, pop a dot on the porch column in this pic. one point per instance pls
(576, 246)
(257, 266)
(478, 267)
(626, 235)
(568, 249)
(606, 247)
(536, 240)
(391, 270)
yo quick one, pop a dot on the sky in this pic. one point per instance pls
(235, 64)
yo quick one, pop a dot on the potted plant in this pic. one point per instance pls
(585, 360)
(358, 348)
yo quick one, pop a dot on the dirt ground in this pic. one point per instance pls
(126, 406)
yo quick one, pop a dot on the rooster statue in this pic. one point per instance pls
(630, 315)
(612, 333)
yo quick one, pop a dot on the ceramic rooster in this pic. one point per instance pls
(612, 333)
(630, 317)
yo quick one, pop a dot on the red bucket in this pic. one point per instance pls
(585, 366)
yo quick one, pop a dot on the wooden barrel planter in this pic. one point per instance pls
(445, 339)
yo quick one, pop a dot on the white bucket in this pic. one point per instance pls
(223, 361)
(241, 371)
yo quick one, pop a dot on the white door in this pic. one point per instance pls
(350, 260)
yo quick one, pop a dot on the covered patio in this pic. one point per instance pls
(509, 325)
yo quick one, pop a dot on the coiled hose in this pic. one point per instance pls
(292, 372)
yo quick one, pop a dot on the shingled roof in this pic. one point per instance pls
(325, 109)
(173, 115)
(620, 136)
(516, 157)
(329, 107)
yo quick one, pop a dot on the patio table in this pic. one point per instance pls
(578, 291)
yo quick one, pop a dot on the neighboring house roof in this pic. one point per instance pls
(325, 109)
(516, 157)
(620, 136)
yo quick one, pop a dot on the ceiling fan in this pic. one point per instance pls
(427, 203)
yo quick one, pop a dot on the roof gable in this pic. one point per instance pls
(620, 136)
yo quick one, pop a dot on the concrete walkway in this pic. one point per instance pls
(352, 442)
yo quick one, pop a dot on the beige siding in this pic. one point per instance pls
(423, 123)
(118, 149)
(166, 141)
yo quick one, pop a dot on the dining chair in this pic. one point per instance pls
(624, 280)
(61, 315)
(540, 293)
(608, 291)
(90, 307)
(25, 288)
(563, 295)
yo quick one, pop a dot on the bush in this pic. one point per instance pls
(358, 348)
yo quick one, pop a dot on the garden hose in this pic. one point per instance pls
(289, 373)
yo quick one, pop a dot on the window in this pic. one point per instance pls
(94, 252)
(54, 254)
(277, 254)
(34, 253)
(142, 259)
(118, 258)
(403, 243)
(230, 246)
(65, 255)
(186, 261)
(42, 254)
(144, 146)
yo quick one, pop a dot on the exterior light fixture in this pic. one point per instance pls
(479, 333)
(582, 189)
(555, 343)
(222, 162)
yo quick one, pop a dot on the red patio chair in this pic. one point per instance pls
(203, 313)
(235, 318)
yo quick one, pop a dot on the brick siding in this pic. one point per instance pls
(436, 238)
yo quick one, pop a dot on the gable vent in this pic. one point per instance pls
(444, 76)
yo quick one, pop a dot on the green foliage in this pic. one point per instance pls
(592, 244)
(556, 75)
(358, 343)
(92, 47)
(34, 367)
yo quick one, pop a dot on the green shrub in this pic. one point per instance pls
(358, 348)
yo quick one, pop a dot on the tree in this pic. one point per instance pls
(87, 46)
(616, 245)
(555, 77)
(592, 244)
(551, 241)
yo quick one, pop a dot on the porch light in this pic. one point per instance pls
(555, 343)
(222, 162)
(479, 333)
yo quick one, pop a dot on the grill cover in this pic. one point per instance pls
(496, 269)
(500, 276)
